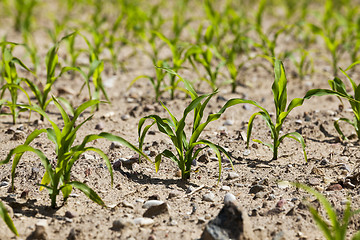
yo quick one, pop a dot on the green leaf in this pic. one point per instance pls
(296, 136)
(5, 216)
(337, 127)
(88, 192)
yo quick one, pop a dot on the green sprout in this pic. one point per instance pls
(187, 149)
(338, 227)
(58, 179)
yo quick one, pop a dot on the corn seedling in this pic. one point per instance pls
(52, 63)
(339, 89)
(178, 59)
(338, 227)
(186, 149)
(206, 56)
(158, 82)
(59, 179)
(280, 100)
(5, 216)
(12, 80)
(94, 73)
(302, 62)
(24, 14)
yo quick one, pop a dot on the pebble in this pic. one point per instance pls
(247, 106)
(334, 187)
(69, 214)
(114, 145)
(75, 233)
(190, 189)
(201, 220)
(4, 184)
(156, 210)
(228, 123)
(298, 122)
(139, 200)
(99, 126)
(225, 188)
(122, 223)
(232, 175)
(173, 223)
(256, 188)
(125, 117)
(127, 204)
(229, 198)
(208, 197)
(152, 203)
(345, 167)
(40, 230)
(246, 152)
(108, 114)
(260, 195)
(284, 184)
(143, 222)
(207, 216)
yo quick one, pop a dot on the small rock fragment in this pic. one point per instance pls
(143, 222)
(114, 145)
(18, 135)
(334, 187)
(246, 152)
(256, 188)
(232, 175)
(122, 223)
(229, 198)
(99, 126)
(152, 203)
(75, 234)
(208, 197)
(69, 214)
(156, 210)
(40, 231)
(231, 223)
(228, 123)
(225, 188)
(125, 117)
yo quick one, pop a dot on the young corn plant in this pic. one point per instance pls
(280, 100)
(7, 219)
(12, 80)
(158, 82)
(338, 88)
(52, 62)
(187, 149)
(57, 179)
(337, 230)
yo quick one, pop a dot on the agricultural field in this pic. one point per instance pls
(134, 119)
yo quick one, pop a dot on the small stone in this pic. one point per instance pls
(69, 214)
(284, 184)
(257, 188)
(108, 115)
(207, 216)
(114, 145)
(99, 126)
(152, 203)
(281, 203)
(143, 222)
(177, 173)
(228, 123)
(298, 122)
(232, 175)
(291, 212)
(4, 184)
(173, 194)
(229, 198)
(208, 197)
(345, 167)
(75, 234)
(139, 200)
(201, 220)
(173, 223)
(156, 210)
(324, 162)
(127, 204)
(122, 223)
(203, 158)
(40, 230)
(231, 223)
(246, 152)
(225, 188)
(314, 181)
(260, 195)
(246, 106)
(190, 189)
(334, 187)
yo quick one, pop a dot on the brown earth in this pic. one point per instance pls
(276, 212)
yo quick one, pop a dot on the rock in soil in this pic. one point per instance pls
(231, 223)
(40, 231)
(155, 210)
(75, 234)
